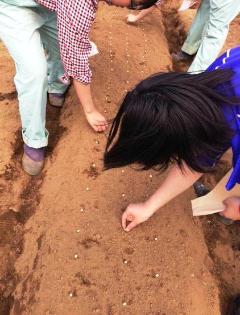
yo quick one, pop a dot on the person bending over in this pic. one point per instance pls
(133, 18)
(49, 43)
(183, 121)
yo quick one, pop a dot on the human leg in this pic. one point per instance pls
(222, 12)
(19, 32)
(49, 36)
(194, 38)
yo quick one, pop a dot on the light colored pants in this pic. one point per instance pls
(29, 35)
(209, 30)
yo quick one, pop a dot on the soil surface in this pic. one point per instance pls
(62, 248)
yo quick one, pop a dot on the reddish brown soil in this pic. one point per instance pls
(62, 249)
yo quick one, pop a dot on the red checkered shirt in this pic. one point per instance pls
(74, 18)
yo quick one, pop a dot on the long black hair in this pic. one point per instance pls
(172, 118)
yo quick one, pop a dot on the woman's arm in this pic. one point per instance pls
(176, 182)
(94, 117)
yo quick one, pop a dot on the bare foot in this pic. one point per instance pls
(97, 121)
(131, 18)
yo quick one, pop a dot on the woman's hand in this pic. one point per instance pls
(96, 120)
(232, 208)
(135, 214)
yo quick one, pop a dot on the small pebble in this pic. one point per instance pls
(81, 210)
(98, 236)
(125, 261)
(71, 294)
(75, 256)
(150, 176)
(155, 238)
(94, 165)
(123, 195)
(124, 303)
(157, 275)
(87, 188)
(97, 142)
(78, 231)
(123, 171)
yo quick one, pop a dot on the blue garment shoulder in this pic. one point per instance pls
(231, 60)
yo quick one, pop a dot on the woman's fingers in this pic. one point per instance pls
(97, 121)
(124, 220)
(128, 221)
(131, 225)
(100, 126)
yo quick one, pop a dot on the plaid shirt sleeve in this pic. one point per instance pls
(74, 22)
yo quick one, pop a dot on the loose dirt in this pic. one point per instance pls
(62, 249)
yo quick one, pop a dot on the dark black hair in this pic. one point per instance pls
(144, 4)
(172, 118)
